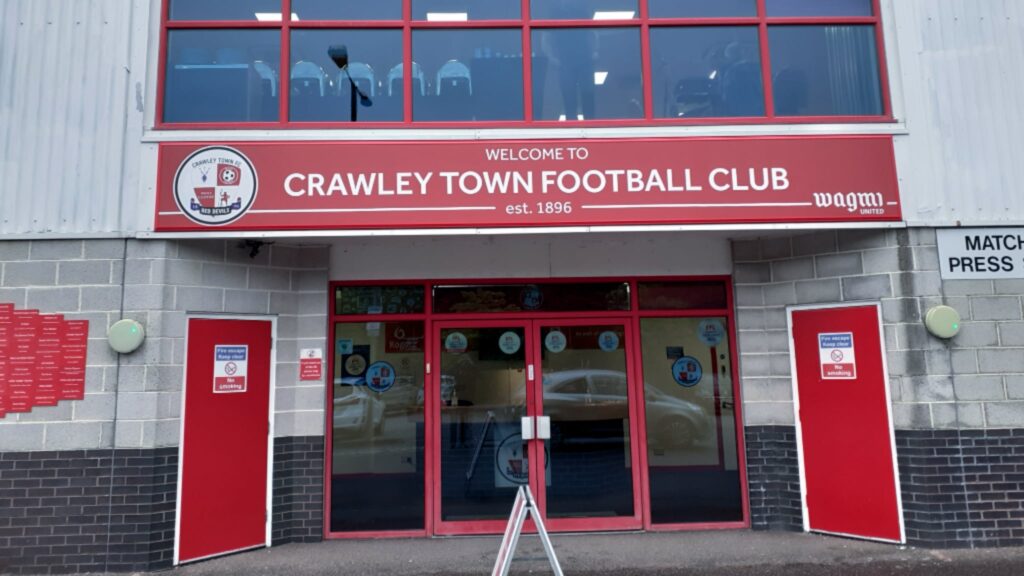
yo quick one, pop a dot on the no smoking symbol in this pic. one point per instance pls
(230, 368)
(837, 355)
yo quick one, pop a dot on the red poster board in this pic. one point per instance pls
(74, 348)
(366, 185)
(6, 328)
(844, 427)
(48, 359)
(21, 374)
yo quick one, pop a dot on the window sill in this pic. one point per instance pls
(894, 128)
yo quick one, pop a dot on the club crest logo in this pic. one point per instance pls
(215, 185)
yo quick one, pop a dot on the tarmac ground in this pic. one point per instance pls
(713, 553)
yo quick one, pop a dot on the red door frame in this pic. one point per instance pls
(888, 406)
(631, 318)
(272, 387)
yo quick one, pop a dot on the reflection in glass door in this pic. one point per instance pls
(585, 392)
(482, 390)
(580, 467)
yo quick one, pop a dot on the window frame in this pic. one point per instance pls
(525, 24)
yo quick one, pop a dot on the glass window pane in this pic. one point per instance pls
(467, 75)
(322, 92)
(701, 8)
(587, 74)
(262, 10)
(820, 8)
(706, 72)
(463, 10)
(532, 298)
(681, 295)
(583, 9)
(347, 10)
(825, 71)
(377, 427)
(585, 392)
(691, 422)
(484, 459)
(222, 75)
(378, 300)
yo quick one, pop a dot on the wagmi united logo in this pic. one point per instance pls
(215, 185)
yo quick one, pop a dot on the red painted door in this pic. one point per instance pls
(844, 423)
(224, 453)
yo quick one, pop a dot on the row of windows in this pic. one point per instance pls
(465, 10)
(576, 72)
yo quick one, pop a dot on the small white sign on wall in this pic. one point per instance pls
(981, 253)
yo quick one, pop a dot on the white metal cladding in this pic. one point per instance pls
(64, 68)
(73, 83)
(962, 64)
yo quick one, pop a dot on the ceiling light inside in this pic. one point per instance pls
(614, 14)
(447, 16)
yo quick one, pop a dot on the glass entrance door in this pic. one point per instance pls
(491, 376)
(481, 394)
(585, 389)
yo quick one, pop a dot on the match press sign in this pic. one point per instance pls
(981, 253)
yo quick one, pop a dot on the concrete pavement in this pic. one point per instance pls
(690, 553)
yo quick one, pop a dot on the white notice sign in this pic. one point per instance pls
(981, 253)
(836, 353)
(230, 368)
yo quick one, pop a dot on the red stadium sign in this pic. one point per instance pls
(377, 185)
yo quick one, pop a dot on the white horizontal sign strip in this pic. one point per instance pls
(981, 253)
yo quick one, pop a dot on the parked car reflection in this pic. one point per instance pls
(593, 395)
(358, 411)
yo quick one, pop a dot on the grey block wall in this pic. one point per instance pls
(157, 282)
(975, 380)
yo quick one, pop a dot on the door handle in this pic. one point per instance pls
(543, 427)
(527, 427)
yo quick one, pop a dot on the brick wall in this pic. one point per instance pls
(962, 488)
(957, 404)
(298, 500)
(90, 485)
(87, 510)
(975, 380)
(773, 478)
(156, 283)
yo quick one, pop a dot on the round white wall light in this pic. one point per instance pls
(125, 336)
(942, 321)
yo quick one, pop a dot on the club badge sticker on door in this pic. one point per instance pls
(230, 366)
(835, 351)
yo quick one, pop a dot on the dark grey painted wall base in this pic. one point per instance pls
(960, 489)
(87, 510)
(113, 510)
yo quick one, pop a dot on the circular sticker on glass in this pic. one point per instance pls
(711, 332)
(380, 376)
(215, 185)
(456, 343)
(687, 371)
(608, 341)
(510, 342)
(555, 341)
(355, 364)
